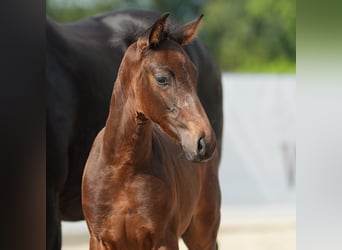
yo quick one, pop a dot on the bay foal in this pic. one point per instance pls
(152, 173)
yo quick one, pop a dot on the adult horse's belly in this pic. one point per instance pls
(80, 144)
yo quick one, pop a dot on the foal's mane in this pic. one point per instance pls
(131, 31)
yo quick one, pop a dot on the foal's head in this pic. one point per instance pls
(163, 79)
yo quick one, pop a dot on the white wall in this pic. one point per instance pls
(258, 160)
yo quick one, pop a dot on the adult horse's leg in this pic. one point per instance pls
(56, 173)
(61, 107)
(202, 231)
(53, 222)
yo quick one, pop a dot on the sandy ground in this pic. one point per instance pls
(249, 229)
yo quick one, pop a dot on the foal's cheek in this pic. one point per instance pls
(151, 103)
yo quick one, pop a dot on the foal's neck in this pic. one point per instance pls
(128, 133)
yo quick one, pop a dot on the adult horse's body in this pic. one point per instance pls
(82, 63)
(152, 173)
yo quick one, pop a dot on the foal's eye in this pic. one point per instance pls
(162, 80)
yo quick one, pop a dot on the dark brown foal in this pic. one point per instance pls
(152, 173)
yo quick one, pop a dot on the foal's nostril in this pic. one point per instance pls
(201, 147)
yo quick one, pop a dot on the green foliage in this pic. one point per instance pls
(73, 12)
(243, 35)
(251, 35)
(184, 11)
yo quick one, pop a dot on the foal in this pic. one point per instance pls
(152, 173)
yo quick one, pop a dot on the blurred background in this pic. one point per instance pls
(243, 35)
(254, 44)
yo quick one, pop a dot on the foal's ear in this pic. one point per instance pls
(187, 33)
(155, 34)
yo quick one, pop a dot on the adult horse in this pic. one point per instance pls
(82, 63)
(152, 173)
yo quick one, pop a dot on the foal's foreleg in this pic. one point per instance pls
(201, 236)
(168, 248)
(96, 244)
(202, 231)
(171, 243)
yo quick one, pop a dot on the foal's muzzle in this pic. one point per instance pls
(204, 151)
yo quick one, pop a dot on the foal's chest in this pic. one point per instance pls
(166, 195)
